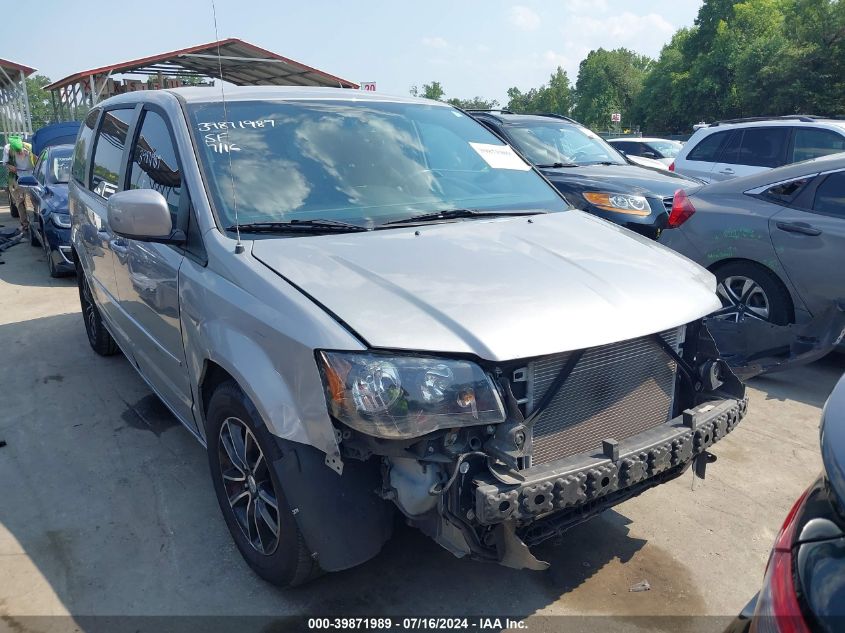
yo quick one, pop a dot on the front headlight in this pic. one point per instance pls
(618, 202)
(407, 396)
(61, 220)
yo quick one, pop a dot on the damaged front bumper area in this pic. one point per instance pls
(557, 496)
(583, 431)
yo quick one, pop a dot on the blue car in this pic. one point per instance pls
(46, 207)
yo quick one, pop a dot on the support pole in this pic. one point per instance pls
(28, 120)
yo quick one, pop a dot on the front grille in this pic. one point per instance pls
(614, 391)
(667, 203)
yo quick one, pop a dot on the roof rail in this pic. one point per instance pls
(806, 118)
(554, 115)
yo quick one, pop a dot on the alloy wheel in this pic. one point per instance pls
(248, 486)
(742, 298)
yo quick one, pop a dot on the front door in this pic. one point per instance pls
(92, 205)
(809, 239)
(147, 274)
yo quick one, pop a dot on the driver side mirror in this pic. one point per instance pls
(27, 181)
(143, 215)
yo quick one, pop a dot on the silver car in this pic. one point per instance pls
(360, 304)
(775, 240)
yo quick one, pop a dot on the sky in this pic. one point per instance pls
(472, 48)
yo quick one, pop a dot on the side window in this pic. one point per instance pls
(763, 146)
(154, 163)
(108, 151)
(79, 170)
(814, 142)
(731, 148)
(830, 195)
(708, 148)
(41, 169)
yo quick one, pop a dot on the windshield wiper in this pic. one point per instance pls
(451, 214)
(304, 226)
(557, 165)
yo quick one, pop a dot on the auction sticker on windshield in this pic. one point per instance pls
(500, 156)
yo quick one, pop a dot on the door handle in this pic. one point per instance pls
(727, 171)
(799, 227)
(118, 245)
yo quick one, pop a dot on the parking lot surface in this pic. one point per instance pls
(107, 506)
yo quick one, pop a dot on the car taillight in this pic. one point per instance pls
(682, 209)
(777, 609)
(672, 166)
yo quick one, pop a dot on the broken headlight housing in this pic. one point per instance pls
(396, 397)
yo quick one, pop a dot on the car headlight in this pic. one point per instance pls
(407, 396)
(618, 202)
(61, 220)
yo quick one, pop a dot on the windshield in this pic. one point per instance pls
(550, 143)
(669, 149)
(58, 167)
(365, 163)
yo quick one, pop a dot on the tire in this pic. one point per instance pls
(13, 209)
(749, 290)
(33, 241)
(98, 336)
(51, 265)
(234, 425)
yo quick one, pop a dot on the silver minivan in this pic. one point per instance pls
(361, 304)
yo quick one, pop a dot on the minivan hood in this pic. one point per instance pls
(631, 179)
(500, 289)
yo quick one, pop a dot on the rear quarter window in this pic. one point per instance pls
(815, 142)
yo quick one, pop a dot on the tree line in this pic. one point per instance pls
(750, 58)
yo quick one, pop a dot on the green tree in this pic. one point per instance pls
(748, 58)
(40, 104)
(662, 104)
(431, 90)
(608, 82)
(476, 103)
(555, 97)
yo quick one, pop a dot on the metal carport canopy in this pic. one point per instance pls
(14, 102)
(242, 64)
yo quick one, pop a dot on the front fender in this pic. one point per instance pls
(263, 334)
(258, 378)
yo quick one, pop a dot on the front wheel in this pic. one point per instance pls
(33, 240)
(98, 336)
(241, 452)
(750, 291)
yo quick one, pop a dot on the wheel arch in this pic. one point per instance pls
(794, 300)
(317, 495)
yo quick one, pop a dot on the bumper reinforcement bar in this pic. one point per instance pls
(582, 479)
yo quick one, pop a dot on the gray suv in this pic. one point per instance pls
(360, 304)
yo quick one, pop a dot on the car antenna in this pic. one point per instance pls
(239, 247)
